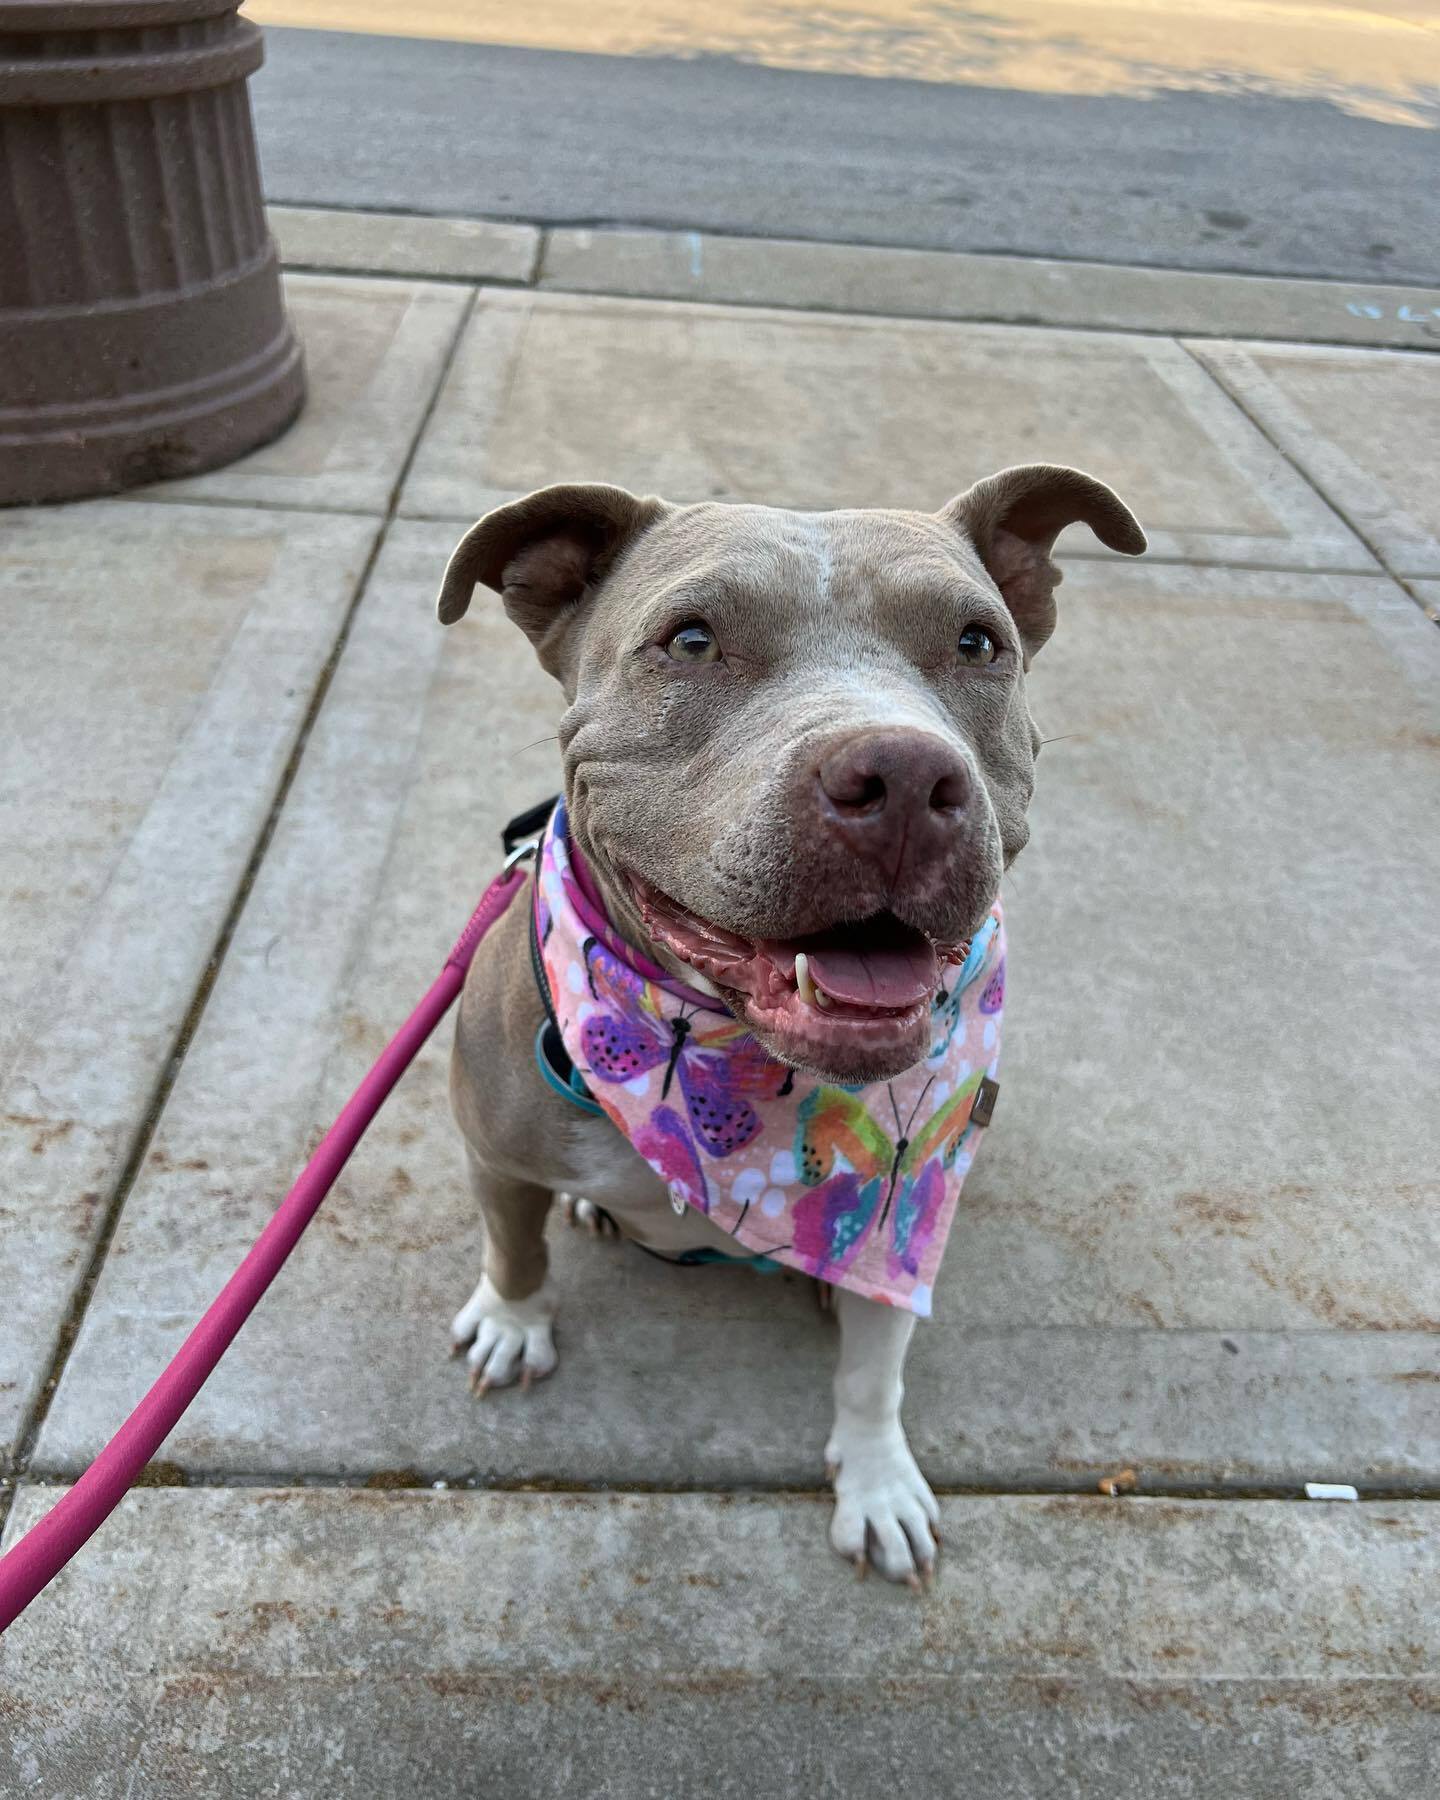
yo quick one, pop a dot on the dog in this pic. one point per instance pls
(798, 757)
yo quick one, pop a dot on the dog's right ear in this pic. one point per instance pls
(544, 554)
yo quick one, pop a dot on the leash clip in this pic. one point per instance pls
(521, 853)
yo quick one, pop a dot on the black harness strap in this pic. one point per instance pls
(551, 1044)
(528, 824)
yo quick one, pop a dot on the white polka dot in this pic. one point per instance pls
(639, 1084)
(940, 1093)
(748, 1185)
(963, 1162)
(782, 1168)
(989, 1034)
(773, 1204)
(575, 978)
(920, 1298)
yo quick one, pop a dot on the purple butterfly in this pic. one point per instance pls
(718, 1067)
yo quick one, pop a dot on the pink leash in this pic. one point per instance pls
(46, 1548)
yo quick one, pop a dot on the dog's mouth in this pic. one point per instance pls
(851, 1002)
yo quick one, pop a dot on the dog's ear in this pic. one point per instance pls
(1013, 520)
(544, 554)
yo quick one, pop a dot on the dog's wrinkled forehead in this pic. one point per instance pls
(776, 575)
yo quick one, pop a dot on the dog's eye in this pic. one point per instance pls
(977, 646)
(693, 643)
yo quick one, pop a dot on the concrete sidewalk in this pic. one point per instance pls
(252, 791)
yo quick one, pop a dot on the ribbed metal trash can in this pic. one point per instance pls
(142, 331)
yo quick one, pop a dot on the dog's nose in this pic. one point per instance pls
(894, 795)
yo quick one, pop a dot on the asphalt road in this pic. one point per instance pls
(1181, 180)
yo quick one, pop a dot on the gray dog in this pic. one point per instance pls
(781, 727)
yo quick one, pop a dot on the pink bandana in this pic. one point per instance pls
(855, 1185)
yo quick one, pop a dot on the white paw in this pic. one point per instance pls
(508, 1339)
(885, 1515)
(580, 1211)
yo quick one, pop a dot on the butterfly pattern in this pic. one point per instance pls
(867, 1186)
(720, 1069)
(947, 1012)
(857, 1186)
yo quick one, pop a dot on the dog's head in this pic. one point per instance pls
(798, 754)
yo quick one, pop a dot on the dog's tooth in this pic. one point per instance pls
(804, 986)
(823, 1000)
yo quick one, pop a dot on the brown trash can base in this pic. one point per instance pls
(153, 403)
(142, 330)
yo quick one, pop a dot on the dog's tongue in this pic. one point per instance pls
(889, 977)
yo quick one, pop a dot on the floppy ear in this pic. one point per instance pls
(1013, 520)
(543, 554)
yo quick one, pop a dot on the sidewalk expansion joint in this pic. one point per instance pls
(1280, 450)
(413, 1481)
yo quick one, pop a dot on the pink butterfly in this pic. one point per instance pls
(666, 1144)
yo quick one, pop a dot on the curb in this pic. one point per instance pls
(859, 278)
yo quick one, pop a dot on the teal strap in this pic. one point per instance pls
(573, 1090)
(690, 1259)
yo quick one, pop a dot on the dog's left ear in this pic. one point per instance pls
(543, 552)
(1013, 520)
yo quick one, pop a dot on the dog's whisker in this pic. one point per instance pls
(554, 738)
(1063, 738)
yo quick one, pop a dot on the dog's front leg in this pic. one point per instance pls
(885, 1513)
(506, 1327)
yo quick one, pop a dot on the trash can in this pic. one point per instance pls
(142, 330)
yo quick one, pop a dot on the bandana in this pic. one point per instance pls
(854, 1185)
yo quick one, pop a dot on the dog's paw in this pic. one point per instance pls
(885, 1515)
(580, 1211)
(508, 1340)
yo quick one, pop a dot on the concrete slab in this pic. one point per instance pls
(1361, 426)
(345, 1643)
(1201, 1240)
(1018, 290)
(159, 662)
(809, 410)
(374, 351)
(371, 243)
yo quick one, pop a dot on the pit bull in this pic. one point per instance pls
(764, 937)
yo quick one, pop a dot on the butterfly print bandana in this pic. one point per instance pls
(855, 1185)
